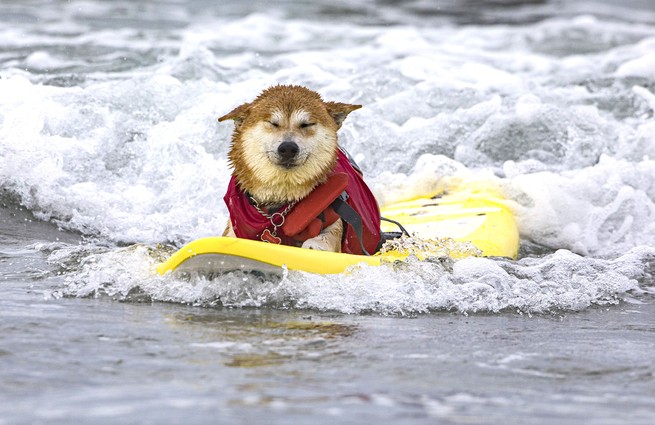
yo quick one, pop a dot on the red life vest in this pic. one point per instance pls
(312, 214)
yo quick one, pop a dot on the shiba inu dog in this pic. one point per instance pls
(284, 147)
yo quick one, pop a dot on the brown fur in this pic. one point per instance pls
(285, 113)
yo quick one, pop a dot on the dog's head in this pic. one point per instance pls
(285, 142)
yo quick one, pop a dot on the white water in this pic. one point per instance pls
(111, 131)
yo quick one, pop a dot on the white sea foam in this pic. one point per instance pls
(559, 281)
(124, 144)
(601, 210)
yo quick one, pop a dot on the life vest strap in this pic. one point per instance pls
(350, 216)
(308, 209)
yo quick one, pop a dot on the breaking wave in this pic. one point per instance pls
(117, 140)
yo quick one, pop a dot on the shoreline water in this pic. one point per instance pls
(136, 363)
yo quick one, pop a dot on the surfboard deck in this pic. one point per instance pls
(476, 216)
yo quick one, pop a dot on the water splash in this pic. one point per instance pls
(562, 281)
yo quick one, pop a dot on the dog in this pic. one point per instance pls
(284, 152)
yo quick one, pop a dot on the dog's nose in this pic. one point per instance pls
(287, 150)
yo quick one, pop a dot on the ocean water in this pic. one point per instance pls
(110, 154)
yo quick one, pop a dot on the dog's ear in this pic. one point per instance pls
(339, 111)
(238, 114)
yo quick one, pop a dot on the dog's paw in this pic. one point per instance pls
(317, 244)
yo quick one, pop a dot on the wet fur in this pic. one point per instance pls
(293, 114)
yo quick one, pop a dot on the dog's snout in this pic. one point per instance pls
(288, 150)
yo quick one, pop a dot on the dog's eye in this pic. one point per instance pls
(274, 124)
(307, 124)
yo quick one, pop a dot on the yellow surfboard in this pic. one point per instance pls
(475, 216)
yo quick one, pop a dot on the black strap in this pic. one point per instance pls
(350, 216)
(400, 226)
